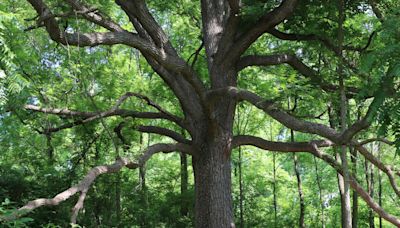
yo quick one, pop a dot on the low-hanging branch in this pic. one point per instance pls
(84, 185)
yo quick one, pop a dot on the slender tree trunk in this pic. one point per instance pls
(274, 190)
(355, 195)
(241, 197)
(379, 186)
(144, 197)
(369, 179)
(299, 185)
(184, 185)
(320, 193)
(343, 180)
(118, 198)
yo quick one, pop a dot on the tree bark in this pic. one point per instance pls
(344, 179)
(184, 185)
(299, 185)
(355, 194)
(212, 172)
(320, 193)
(144, 197)
(241, 196)
(274, 191)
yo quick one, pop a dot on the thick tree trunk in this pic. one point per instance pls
(212, 172)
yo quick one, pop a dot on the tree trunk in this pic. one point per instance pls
(241, 197)
(355, 195)
(379, 185)
(274, 191)
(118, 198)
(212, 172)
(184, 186)
(320, 193)
(299, 185)
(369, 179)
(144, 199)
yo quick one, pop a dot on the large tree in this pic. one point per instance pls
(309, 36)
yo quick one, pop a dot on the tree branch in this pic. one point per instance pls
(242, 140)
(95, 16)
(313, 37)
(265, 23)
(357, 187)
(313, 148)
(164, 131)
(84, 185)
(293, 61)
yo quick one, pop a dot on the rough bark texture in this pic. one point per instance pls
(212, 173)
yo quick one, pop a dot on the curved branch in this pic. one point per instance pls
(84, 185)
(164, 131)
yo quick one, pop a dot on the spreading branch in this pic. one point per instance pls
(325, 41)
(293, 61)
(85, 117)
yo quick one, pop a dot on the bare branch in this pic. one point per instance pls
(84, 185)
